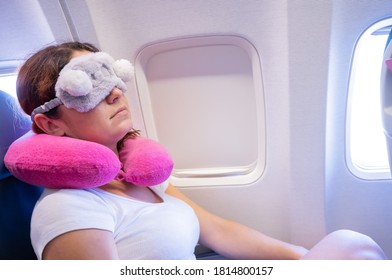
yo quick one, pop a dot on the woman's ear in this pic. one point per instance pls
(48, 125)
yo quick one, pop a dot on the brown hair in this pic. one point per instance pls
(130, 135)
(37, 77)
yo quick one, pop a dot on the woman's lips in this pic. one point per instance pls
(121, 111)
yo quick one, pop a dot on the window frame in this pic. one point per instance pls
(369, 172)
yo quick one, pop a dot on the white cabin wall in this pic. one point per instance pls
(309, 39)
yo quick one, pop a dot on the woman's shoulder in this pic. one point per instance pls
(65, 193)
(66, 198)
(64, 210)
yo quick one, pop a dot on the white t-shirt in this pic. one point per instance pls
(141, 230)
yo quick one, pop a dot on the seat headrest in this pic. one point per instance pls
(13, 124)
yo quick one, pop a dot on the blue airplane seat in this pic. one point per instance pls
(17, 199)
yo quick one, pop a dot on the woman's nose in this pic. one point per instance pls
(114, 95)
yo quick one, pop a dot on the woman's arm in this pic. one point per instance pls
(236, 241)
(86, 244)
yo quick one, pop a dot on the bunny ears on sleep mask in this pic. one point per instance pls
(87, 80)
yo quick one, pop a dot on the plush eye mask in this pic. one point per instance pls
(64, 162)
(86, 80)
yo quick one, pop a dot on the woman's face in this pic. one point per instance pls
(105, 124)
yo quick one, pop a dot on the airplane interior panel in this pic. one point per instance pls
(192, 77)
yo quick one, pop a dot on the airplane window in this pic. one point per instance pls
(202, 97)
(7, 84)
(367, 148)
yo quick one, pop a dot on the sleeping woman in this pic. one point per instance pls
(121, 219)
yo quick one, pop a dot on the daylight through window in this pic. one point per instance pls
(367, 150)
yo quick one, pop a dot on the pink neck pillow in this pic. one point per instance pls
(64, 162)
